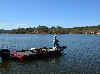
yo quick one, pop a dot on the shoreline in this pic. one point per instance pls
(47, 33)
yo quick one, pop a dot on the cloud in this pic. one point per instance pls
(91, 24)
(61, 22)
(97, 23)
(3, 24)
(19, 25)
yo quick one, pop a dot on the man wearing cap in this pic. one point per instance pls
(55, 42)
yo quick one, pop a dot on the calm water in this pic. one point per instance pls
(82, 54)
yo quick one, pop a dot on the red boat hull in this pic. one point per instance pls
(17, 56)
(30, 54)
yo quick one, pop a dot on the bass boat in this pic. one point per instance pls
(30, 54)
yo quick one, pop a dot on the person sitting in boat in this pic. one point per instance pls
(55, 42)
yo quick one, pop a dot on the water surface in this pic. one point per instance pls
(82, 54)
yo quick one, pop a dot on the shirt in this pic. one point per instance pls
(55, 40)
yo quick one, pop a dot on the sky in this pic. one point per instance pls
(64, 13)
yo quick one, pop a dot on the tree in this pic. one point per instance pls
(59, 28)
(14, 31)
(18, 30)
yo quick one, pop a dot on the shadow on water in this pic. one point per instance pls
(40, 65)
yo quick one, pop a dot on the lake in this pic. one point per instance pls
(82, 54)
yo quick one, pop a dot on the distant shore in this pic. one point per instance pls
(95, 30)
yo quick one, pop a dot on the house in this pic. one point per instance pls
(98, 32)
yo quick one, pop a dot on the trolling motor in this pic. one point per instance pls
(63, 47)
(5, 54)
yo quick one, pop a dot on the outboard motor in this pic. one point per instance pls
(5, 54)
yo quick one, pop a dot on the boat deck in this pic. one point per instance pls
(30, 52)
(26, 53)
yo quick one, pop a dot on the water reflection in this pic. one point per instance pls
(40, 65)
(5, 67)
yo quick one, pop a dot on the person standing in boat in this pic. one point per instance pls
(55, 42)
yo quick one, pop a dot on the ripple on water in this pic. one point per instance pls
(82, 54)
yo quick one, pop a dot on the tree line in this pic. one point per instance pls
(57, 30)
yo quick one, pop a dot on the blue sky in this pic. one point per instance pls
(64, 13)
